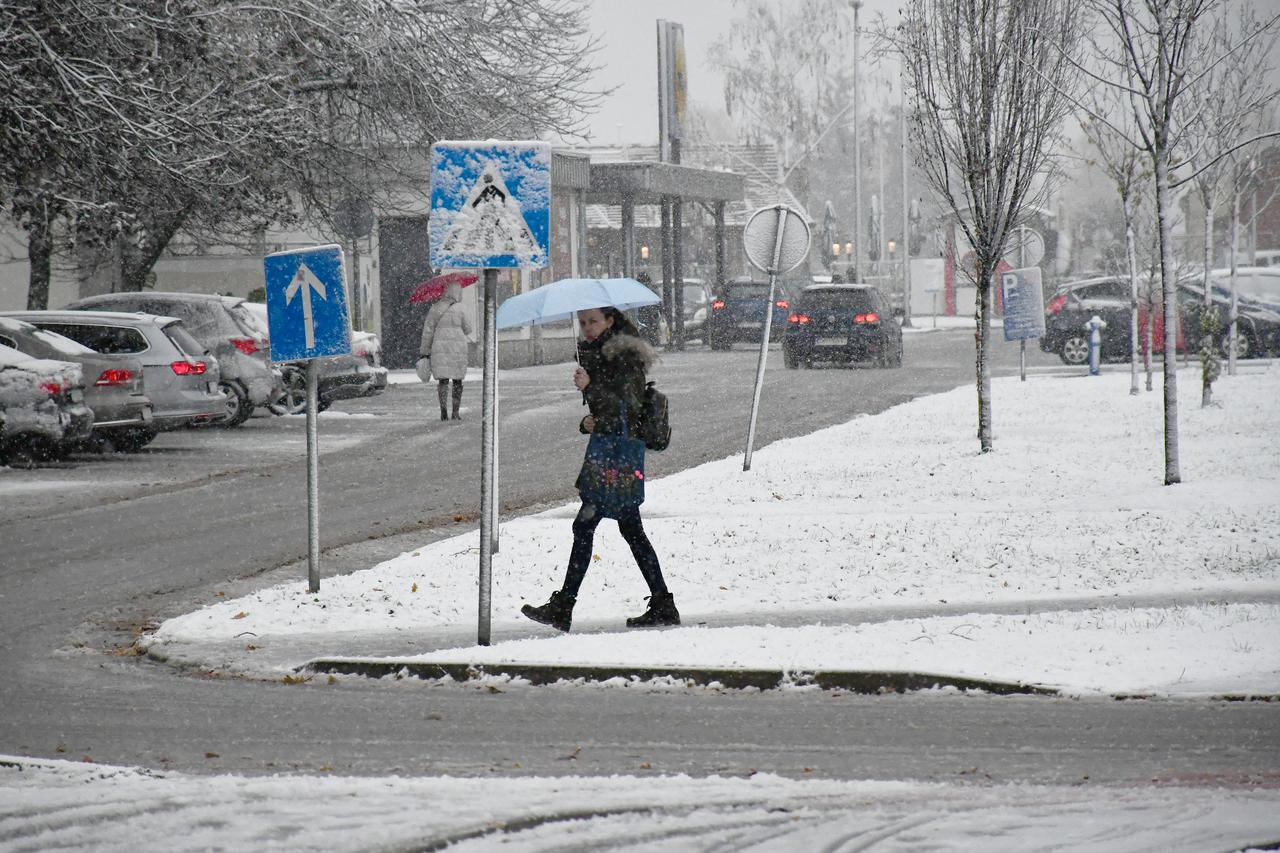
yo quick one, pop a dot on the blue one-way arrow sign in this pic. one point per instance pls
(307, 303)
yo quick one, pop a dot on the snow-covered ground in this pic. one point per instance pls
(59, 805)
(1060, 559)
(885, 543)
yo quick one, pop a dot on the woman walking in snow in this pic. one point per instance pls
(612, 361)
(444, 343)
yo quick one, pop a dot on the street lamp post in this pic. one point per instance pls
(857, 151)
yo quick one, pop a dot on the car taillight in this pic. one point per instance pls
(870, 317)
(782, 303)
(1056, 303)
(52, 388)
(802, 319)
(189, 368)
(717, 305)
(248, 346)
(115, 376)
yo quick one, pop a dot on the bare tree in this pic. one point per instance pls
(1149, 51)
(1228, 96)
(991, 84)
(787, 72)
(1123, 165)
(216, 116)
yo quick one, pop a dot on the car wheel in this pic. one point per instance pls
(321, 404)
(1075, 350)
(237, 407)
(1244, 345)
(294, 399)
(133, 440)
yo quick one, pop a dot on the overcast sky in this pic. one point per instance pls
(628, 37)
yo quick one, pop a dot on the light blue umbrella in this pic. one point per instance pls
(561, 300)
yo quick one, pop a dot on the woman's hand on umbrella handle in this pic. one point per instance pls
(581, 379)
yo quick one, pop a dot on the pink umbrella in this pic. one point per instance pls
(434, 288)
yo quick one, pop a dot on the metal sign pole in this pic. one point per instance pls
(1022, 263)
(497, 464)
(313, 481)
(487, 447)
(764, 342)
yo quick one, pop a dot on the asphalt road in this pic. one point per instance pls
(94, 550)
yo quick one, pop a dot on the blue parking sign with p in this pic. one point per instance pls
(307, 303)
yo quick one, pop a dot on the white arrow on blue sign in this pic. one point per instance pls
(307, 303)
(490, 204)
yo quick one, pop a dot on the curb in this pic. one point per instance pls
(856, 681)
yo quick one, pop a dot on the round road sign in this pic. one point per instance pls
(765, 250)
(1024, 248)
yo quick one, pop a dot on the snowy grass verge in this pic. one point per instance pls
(891, 510)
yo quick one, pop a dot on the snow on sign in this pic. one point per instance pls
(307, 303)
(490, 204)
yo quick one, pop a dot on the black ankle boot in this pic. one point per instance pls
(558, 612)
(662, 611)
(444, 413)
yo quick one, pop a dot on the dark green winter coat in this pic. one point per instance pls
(617, 363)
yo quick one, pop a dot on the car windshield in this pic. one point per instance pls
(830, 300)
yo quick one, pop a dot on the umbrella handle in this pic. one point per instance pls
(576, 333)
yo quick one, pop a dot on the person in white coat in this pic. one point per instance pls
(445, 336)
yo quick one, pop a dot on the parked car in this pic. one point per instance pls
(1074, 303)
(738, 313)
(1257, 324)
(341, 377)
(179, 376)
(248, 377)
(842, 323)
(368, 346)
(113, 383)
(42, 408)
(697, 304)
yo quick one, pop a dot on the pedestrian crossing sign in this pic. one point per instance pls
(490, 204)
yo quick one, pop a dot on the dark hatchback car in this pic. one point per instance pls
(1072, 305)
(842, 323)
(738, 313)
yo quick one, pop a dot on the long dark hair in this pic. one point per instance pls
(622, 324)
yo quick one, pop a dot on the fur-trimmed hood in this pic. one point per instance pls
(620, 345)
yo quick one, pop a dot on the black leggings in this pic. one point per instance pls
(443, 391)
(632, 530)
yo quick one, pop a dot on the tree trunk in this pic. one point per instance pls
(40, 253)
(1206, 335)
(1132, 253)
(138, 254)
(982, 338)
(1168, 287)
(1235, 306)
